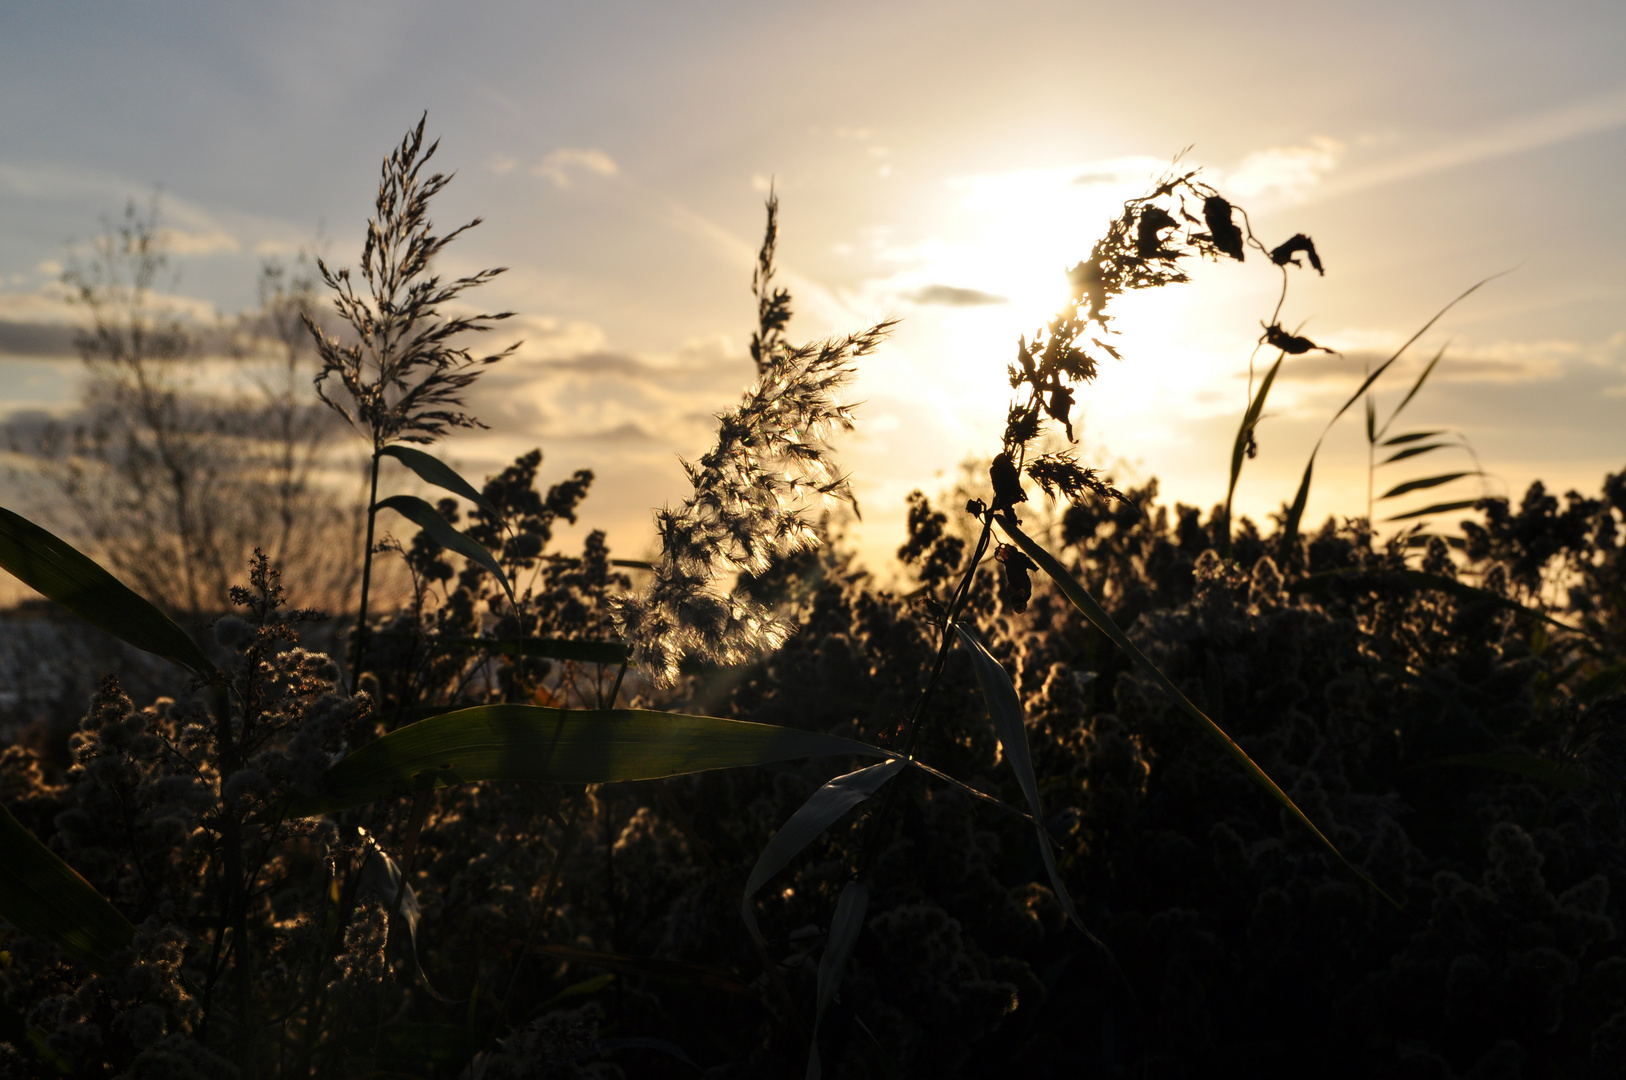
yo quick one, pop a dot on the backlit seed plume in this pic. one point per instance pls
(770, 466)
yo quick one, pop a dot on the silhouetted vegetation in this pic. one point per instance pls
(1165, 794)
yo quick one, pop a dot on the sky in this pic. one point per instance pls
(938, 163)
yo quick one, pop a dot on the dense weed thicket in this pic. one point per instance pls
(304, 880)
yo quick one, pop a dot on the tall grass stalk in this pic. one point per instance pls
(403, 374)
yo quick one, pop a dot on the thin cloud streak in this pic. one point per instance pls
(1520, 135)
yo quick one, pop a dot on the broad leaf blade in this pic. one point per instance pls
(1295, 513)
(1416, 386)
(1398, 353)
(845, 926)
(1005, 709)
(1437, 508)
(1250, 421)
(435, 471)
(1413, 451)
(1410, 437)
(440, 530)
(1097, 615)
(381, 875)
(1424, 484)
(823, 809)
(574, 746)
(40, 894)
(54, 568)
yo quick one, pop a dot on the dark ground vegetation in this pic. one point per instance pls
(1468, 757)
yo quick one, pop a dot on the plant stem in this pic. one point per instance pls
(366, 574)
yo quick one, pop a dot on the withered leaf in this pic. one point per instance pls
(1224, 232)
(1015, 587)
(1148, 244)
(1007, 483)
(1283, 255)
(1277, 338)
(1060, 408)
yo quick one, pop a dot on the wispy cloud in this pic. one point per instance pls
(36, 339)
(1515, 135)
(953, 296)
(184, 242)
(1288, 171)
(562, 166)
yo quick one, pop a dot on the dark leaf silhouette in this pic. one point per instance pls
(1413, 436)
(1412, 451)
(1437, 508)
(1277, 338)
(1283, 254)
(1225, 234)
(1007, 482)
(1015, 587)
(1060, 407)
(1425, 483)
(1148, 241)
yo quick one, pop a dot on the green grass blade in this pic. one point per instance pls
(382, 876)
(1371, 421)
(1409, 437)
(40, 894)
(1295, 513)
(1424, 484)
(435, 471)
(440, 530)
(1005, 709)
(574, 746)
(1290, 528)
(1097, 615)
(1239, 449)
(845, 926)
(1416, 386)
(1437, 508)
(53, 567)
(823, 809)
(1413, 451)
(1398, 353)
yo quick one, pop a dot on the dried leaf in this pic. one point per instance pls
(1283, 254)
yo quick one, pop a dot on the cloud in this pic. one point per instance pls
(37, 339)
(1290, 171)
(1517, 135)
(560, 165)
(180, 242)
(1507, 362)
(954, 296)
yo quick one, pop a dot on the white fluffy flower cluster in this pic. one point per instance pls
(751, 493)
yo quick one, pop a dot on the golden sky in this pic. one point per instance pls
(942, 163)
